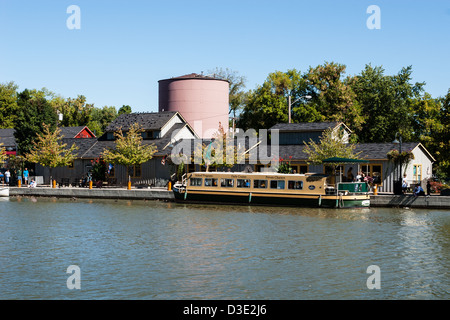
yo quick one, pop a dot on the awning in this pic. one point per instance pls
(344, 160)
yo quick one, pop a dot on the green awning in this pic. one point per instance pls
(344, 160)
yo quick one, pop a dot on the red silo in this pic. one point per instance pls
(202, 101)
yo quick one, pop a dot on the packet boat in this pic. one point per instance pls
(264, 188)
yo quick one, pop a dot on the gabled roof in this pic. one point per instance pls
(72, 132)
(307, 126)
(147, 121)
(370, 151)
(7, 137)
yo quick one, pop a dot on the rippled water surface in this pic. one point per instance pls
(158, 250)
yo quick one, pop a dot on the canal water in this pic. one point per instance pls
(158, 250)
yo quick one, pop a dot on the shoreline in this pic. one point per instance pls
(162, 194)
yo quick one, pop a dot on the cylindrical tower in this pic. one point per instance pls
(202, 101)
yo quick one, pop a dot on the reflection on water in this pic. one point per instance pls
(159, 250)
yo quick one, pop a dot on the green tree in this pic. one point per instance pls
(76, 112)
(101, 118)
(49, 151)
(388, 104)
(8, 104)
(129, 150)
(267, 105)
(3, 155)
(236, 89)
(125, 109)
(331, 145)
(334, 98)
(33, 110)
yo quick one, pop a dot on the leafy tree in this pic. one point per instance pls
(267, 105)
(334, 98)
(49, 151)
(34, 110)
(236, 90)
(8, 104)
(125, 109)
(101, 118)
(76, 112)
(3, 155)
(129, 150)
(387, 102)
(331, 145)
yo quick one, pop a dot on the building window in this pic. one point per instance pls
(374, 171)
(417, 172)
(135, 171)
(110, 136)
(299, 168)
(71, 166)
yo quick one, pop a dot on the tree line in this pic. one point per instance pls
(26, 111)
(376, 106)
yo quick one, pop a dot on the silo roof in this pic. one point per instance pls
(195, 76)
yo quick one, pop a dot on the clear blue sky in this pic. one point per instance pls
(124, 47)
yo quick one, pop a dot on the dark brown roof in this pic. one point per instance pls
(370, 151)
(148, 121)
(195, 76)
(7, 137)
(305, 126)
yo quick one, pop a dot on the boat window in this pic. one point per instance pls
(196, 182)
(259, 184)
(243, 183)
(296, 185)
(227, 183)
(277, 184)
(210, 182)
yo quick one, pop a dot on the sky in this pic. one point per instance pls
(123, 48)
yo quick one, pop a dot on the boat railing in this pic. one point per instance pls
(353, 187)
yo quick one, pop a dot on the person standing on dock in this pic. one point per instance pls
(25, 176)
(7, 176)
(19, 175)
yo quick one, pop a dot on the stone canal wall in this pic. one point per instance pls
(386, 200)
(95, 193)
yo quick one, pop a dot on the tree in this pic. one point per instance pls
(236, 90)
(331, 145)
(76, 112)
(101, 118)
(49, 151)
(267, 105)
(125, 109)
(221, 152)
(8, 104)
(33, 110)
(129, 150)
(3, 155)
(334, 98)
(387, 102)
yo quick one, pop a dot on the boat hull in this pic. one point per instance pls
(325, 201)
(4, 192)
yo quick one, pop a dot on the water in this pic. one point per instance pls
(158, 250)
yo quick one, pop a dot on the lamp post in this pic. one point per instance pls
(399, 182)
(291, 103)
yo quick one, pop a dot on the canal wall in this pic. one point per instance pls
(95, 193)
(384, 200)
(410, 201)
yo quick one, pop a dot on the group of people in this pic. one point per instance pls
(22, 176)
(360, 177)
